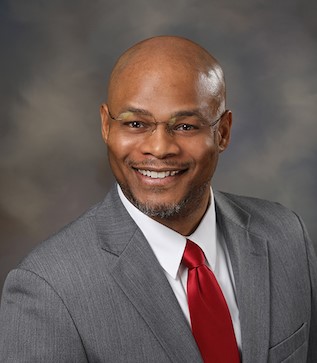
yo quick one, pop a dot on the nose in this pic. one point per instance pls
(160, 143)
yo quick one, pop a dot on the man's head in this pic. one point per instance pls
(165, 124)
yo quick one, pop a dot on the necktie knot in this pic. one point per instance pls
(193, 255)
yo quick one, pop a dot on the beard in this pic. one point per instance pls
(182, 208)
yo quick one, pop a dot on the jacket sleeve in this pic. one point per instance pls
(312, 264)
(35, 325)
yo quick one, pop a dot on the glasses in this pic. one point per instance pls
(184, 123)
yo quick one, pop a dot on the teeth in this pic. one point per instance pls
(158, 174)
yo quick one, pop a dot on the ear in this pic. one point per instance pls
(105, 126)
(224, 130)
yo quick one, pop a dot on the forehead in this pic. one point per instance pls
(158, 68)
(158, 85)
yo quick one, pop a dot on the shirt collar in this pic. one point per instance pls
(168, 245)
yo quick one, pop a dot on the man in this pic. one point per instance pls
(120, 285)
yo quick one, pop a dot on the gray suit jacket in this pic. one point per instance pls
(95, 292)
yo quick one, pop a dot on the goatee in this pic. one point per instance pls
(184, 207)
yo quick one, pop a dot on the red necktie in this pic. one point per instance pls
(209, 314)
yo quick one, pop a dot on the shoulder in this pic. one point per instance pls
(264, 216)
(254, 206)
(76, 247)
(64, 248)
(283, 231)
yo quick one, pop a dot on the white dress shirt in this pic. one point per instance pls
(168, 247)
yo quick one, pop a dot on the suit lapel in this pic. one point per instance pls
(249, 259)
(140, 276)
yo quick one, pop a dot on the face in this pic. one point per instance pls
(162, 148)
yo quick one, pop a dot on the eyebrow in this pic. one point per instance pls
(183, 113)
(140, 111)
(188, 113)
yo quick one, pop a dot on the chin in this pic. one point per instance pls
(168, 209)
(162, 211)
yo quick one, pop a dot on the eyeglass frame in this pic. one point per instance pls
(169, 130)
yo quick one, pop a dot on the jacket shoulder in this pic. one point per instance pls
(67, 243)
(254, 205)
(265, 217)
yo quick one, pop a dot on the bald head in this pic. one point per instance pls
(174, 55)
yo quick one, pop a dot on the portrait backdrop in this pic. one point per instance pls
(55, 60)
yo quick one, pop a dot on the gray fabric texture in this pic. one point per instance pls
(95, 292)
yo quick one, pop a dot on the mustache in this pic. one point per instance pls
(157, 164)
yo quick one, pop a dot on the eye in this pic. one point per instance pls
(185, 127)
(135, 124)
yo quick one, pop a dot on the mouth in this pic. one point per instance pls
(158, 174)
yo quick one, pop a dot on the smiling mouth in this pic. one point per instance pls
(158, 174)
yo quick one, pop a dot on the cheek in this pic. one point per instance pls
(205, 157)
(119, 147)
(203, 150)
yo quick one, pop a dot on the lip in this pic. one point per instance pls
(158, 176)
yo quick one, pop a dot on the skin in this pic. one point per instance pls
(164, 76)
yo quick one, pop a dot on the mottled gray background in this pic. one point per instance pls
(55, 59)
